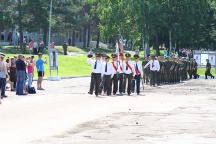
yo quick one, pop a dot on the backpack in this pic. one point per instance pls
(31, 90)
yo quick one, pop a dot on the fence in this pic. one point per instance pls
(201, 57)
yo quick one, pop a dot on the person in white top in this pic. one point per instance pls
(97, 67)
(129, 73)
(120, 73)
(107, 75)
(138, 76)
(35, 46)
(114, 81)
(154, 68)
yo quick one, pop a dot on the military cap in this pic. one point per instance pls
(97, 54)
(90, 56)
(136, 56)
(127, 55)
(107, 57)
(121, 54)
(113, 55)
(40, 54)
(103, 55)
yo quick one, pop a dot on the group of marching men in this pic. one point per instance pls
(113, 77)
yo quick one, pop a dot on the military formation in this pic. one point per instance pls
(122, 75)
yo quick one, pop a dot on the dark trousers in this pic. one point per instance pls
(121, 82)
(95, 82)
(128, 79)
(106, 83)
(20, 82)
(153, 78)
(158, 78)
(137, 81)
(114, 84)
(208, 73)
(35, 51)
(3, 81)
(65, 51)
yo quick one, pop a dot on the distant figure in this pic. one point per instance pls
(65, 45)
(16, 39)
(30, 47)
(52, 45)
(165, 53)
(69, 41)
(10, 35)
(41, 47)
(208, 70)
(35, 46)
(176, 55)
(137, 51)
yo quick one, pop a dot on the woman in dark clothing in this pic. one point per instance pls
(12, 74)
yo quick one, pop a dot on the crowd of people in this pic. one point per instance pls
(19, 71)
(114, 77)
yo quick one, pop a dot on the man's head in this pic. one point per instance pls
(98, 56)
(127, 55)
(40, 55)
(107, 58)
(103, 56)
(207, 60)
(114, 56)
(20, 56)
(136, 58)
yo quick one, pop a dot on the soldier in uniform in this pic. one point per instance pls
(146, 72)
(114, 81)
(162, 65)
(138, 76)
(107, 75)
(129, 73)
(195, 69)
(208, 70)
(97, 66)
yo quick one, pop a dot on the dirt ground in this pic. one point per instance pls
(65, 114)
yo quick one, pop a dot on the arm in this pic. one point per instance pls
(158, 66)
(89, 61)
(112, 70)
(133, 69)
(147, 64)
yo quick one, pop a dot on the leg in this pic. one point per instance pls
(138, 84)
(121, 83)
(133, 84)
(129, 84)
(97, 83)
(124, 83)
(3, 87)
(92, 84)
(108, 80)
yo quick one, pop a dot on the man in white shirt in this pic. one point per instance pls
(154, 68)
(129, 73)
(97, 67)
(107, 74)
(35, 46)
(138, 76)
(114, 81)
(120, 73)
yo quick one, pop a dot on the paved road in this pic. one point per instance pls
(65, 114)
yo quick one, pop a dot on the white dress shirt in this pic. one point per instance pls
(115, 63)
(139, 67)
(120, 66)
(35, 45)
(110, 69)
(99, 66)
(129, 71)
(154, 65)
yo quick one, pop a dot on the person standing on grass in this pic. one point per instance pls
(40, 68)
(65, 46)
(20, 69)
(30, 47)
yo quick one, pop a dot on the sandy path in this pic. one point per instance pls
(65, 114)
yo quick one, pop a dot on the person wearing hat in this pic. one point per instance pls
(114, 82)
(146, 72)
(40, 69)
(97, 70)
(208, 70)
(65, 46)
(90, 53)
(129, 73)
(120, 73)
(194, 70)
(154, 68)
(138, 76)
(107, 75)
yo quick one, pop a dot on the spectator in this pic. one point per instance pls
(35, 46)
(20, 67)
(10, 35)
(52, 45)
(30, 66)
(3, 84)
(165, 52)
(40, 69)
(137, 51)
(90, 52)
(3, 75)
(65, 45)
(12, 74)
(16, 39)
(41, 47)
(30, 47)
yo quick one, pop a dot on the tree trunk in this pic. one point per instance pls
(157, 45)
(98, 39)
(80, 38)
(84, 37)
(89, 35)
(74, 38)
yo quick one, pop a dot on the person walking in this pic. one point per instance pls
(154, 68)
(20, 69)
(114, 81)
(40, 69)
(208, 70)
(97, 68)
(138, 76)
(65, 45)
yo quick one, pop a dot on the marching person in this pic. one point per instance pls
(138, 76)
(97, 66)
(107, 75)
(120, 73)
(208, 70)
(154, 68)
(129, 73)
(114, 81)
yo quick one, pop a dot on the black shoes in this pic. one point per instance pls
(4, 96)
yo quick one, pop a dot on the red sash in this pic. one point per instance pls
(129, 66)
(114, 66)
(137, 72)
(120, 66)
